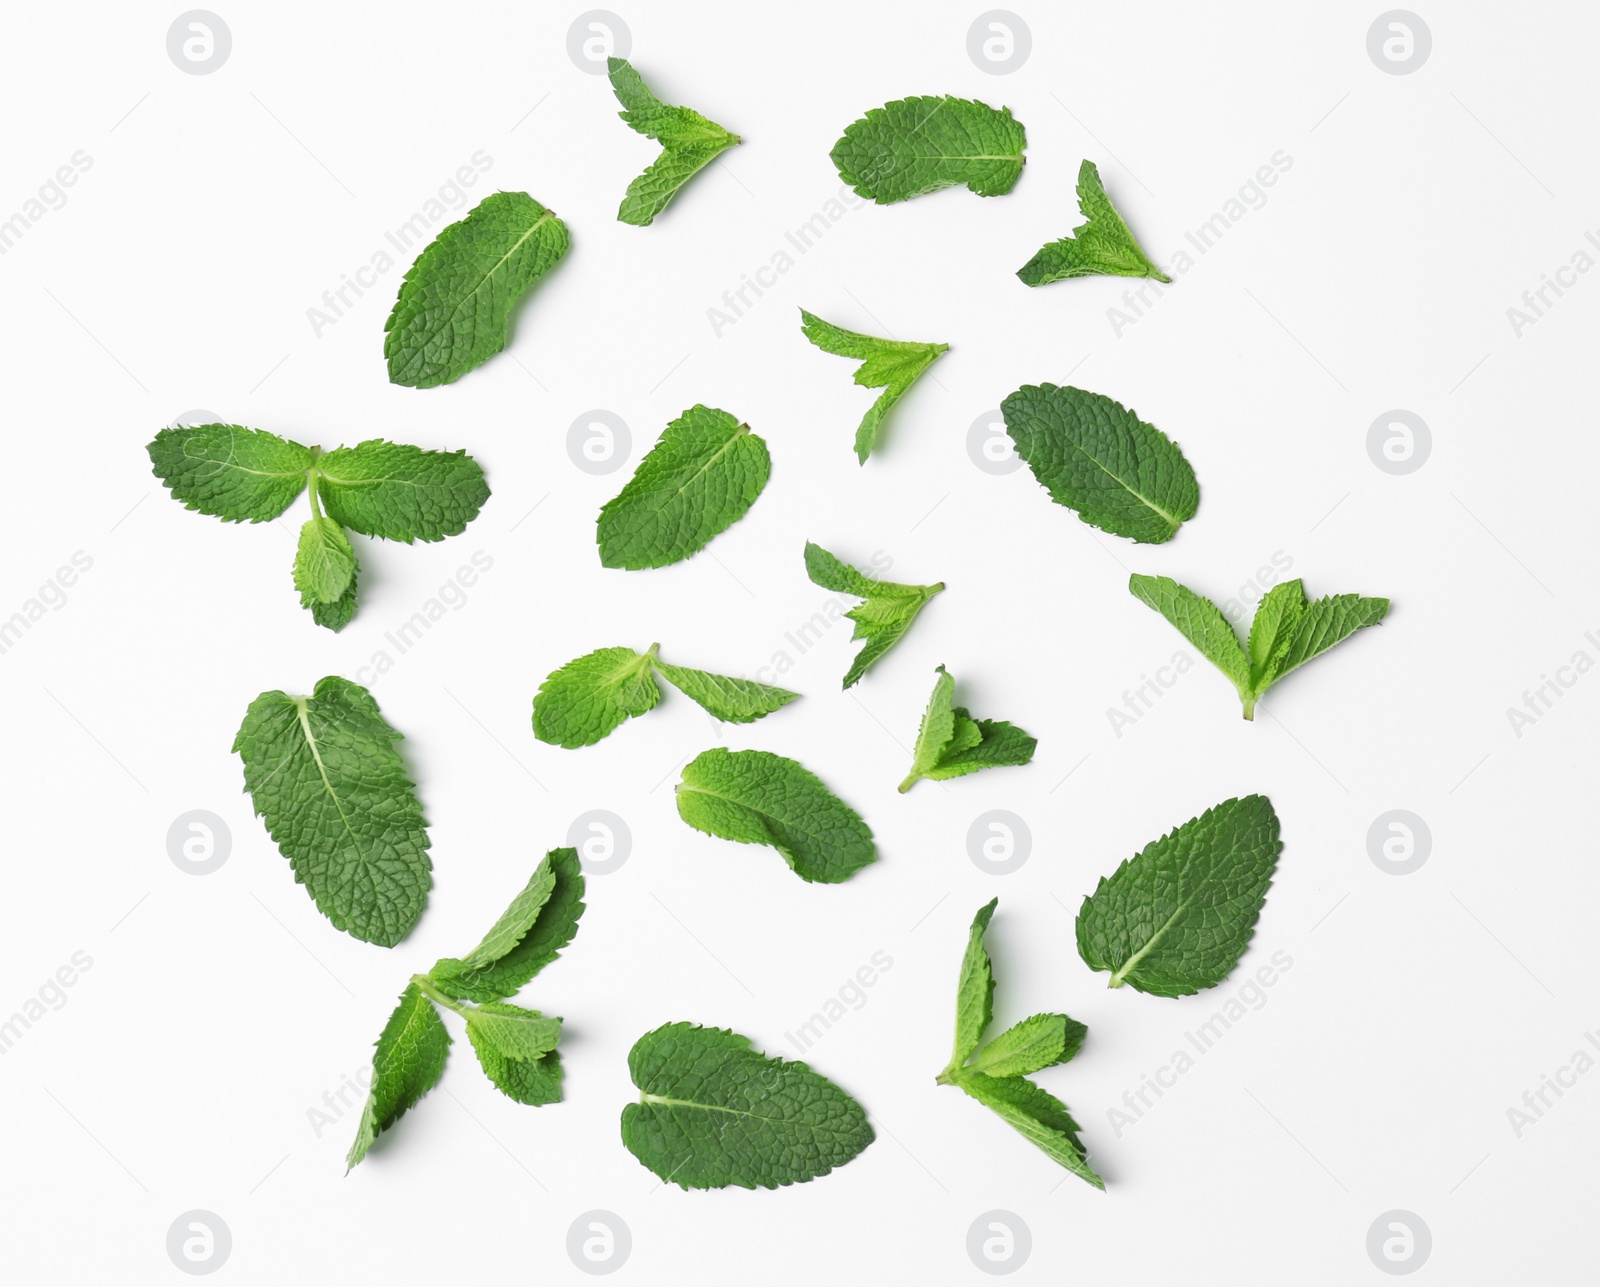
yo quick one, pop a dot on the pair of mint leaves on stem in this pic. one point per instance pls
(1171, 921)
(376, 488)
(516, 1047)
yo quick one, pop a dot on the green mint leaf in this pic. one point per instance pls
(689, 143)
(515, 921)
(950, 743)
(1101, 247)
(410, 1057)
(554, 923)
(230, 472)
(974, 989)
(736, 701)
(1037, 1115)
(534, 1082)
(1097, 457)
(916, 145)
(454, 309)
(1034, 1043)
(337, 615)
(1178, 915)
(324, 563)
(757, 798)
(699, 479)
(324, 775)
(1287, 632)
(510, 1031)
(890, 365)
(883, 619)
(401, 493)
(713, 1111)
(593, 695)
(1200, 622)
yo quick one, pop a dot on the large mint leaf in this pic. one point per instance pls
(230, 472)
(726, 697)
(593, 695)
(713, 1112)
(689, 143)
(399, 492)
(1097, 457)
(1037, 1115)
(1177, 916)
(410, 1057)
(454, 308)
(1199, 621)
(700, 478)
(756, 797)
(326, 779)
(916, 145)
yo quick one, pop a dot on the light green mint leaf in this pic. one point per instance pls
(757, 798)
(454, 308)
(512, 1032)
(950, 743)
(593, 695)
(410, 1057)
(230, 472)
(324, 775)
(515, 921)
(689, 143)
(713, 1112)
(993, 1074)
(337, 615)
(916, 145)
(1034, 1043)
(733, 700)
(883, 619)
(553, 924)
(974, 989)
(1178, 915)
(534, 1082)
(1200, 622)
(1101, 247)
(1097, 457)
(324, 563)
(1037, 1115)
(1287, 632)
(401, 493)
(699, 479)
(890, 365)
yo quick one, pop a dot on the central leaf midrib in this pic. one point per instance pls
(302, 712)
(645, 1097)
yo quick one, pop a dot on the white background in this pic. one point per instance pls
(219, 1009)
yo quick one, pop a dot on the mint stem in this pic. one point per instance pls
(426, 987)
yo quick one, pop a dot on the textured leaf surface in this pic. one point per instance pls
(230, 472)
(1031, 1044)
(1101, 247)
(553, 926)
(689, 143)
(410, 1057)
(454, 308)
(715, 1112)
(534, 1082)
(755, 797)
(1176, 917)
(698, 480)
(324, 563)
(1037, 1115)
(883, 619)
(950, 743)
(593, 695)
(511, 1031)
(1097, 457)
(890, 365)
(1287, 632)
(515, 921)
(916, 145)
(974, 989)
(337, 615)
(737, 701)
(324, 775)
(399, 492)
